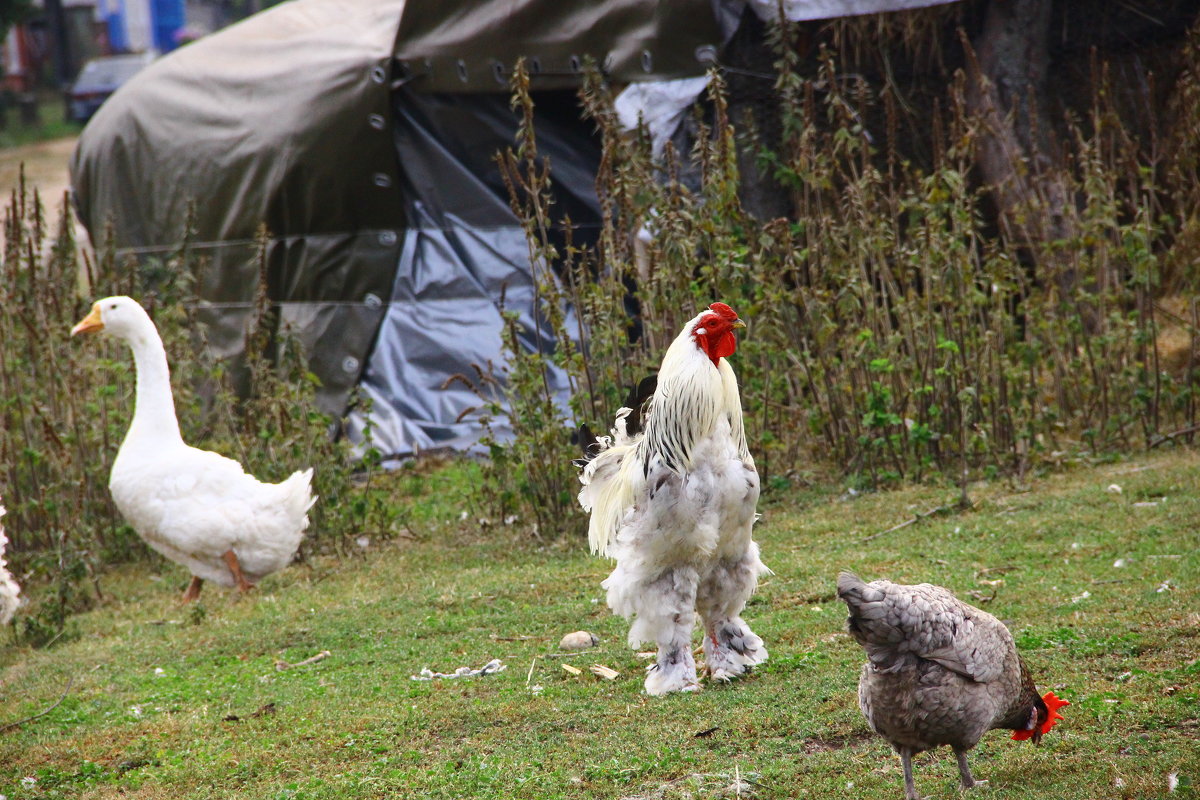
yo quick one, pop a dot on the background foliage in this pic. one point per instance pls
(893, 334)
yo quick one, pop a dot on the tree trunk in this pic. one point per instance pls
(1017, 156)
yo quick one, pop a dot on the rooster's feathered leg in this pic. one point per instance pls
(664, 609)
(730, 647)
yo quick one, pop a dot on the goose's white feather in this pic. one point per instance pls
(10, 592)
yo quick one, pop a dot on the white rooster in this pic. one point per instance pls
(674, 506)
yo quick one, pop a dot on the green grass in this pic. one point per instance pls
(52, 122)
(154, 682)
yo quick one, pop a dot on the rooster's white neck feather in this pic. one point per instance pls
(691, 396)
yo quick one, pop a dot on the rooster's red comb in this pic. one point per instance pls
(1053, 703)
(723, 310)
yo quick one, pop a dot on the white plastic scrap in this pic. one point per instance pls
(490, 668)
(1113, 489)
(804, 10)
(660, 105)
(1172, 781)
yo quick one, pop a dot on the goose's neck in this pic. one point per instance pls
(154, 413)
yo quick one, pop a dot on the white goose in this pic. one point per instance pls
(10, 592)
(196, 507)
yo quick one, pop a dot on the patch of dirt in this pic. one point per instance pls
(1176, 316)
(45, 169)
(819, 745)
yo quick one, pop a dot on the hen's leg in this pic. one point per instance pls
(232, 560)
(730, 647)
(910, 788)
(964, 772)
(193, 590)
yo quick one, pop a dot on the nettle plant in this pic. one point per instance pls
(893, 334)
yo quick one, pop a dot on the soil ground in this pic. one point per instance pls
(45, 168)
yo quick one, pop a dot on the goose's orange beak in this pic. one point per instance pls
(90, 323)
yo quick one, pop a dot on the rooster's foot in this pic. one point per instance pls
(676, 678)
(731, 649)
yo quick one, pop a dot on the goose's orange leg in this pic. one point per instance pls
(193, 590)
(231, 559)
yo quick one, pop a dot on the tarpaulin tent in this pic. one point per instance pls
(361, 133)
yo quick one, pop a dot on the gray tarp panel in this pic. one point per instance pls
(282, 119)
(472, 46)
(463, 250)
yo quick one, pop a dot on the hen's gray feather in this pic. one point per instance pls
(891, 621)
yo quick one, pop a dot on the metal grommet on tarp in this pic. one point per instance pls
(382, 180)
(376, 121)
(461, 66)
(378, 74)
(372, 300)
(647, 61)
(387, 238)
(350, 364)
(706, 54)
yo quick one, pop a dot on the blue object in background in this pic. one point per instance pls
(167, 20)
(118, 39)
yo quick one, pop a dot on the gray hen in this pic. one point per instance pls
(939, 672)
